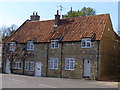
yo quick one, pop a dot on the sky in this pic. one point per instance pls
(18, 12)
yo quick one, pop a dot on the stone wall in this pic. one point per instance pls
(21, 54)
(74, 50)
(54, 53)
(43, 52)
(109, 55)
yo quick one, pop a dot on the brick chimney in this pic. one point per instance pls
(57, 19)
(34, 17)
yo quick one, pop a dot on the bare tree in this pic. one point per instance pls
(7, 31)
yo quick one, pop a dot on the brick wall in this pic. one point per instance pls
(109, 55)
(43, 52)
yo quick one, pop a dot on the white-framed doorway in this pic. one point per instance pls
(87, 65)
(7, 69)
(38, 69)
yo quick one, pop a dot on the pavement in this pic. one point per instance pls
(22, 81)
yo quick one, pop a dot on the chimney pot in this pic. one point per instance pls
(57, 12)
(33, 13)
(34, 17)
(57, 18)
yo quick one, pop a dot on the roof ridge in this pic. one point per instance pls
(73, 30)
(69, 18)
(108, 15)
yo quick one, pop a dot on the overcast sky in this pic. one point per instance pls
(18, 12)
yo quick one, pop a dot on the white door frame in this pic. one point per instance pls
(7, 67)
(38, 69)
(87, 68)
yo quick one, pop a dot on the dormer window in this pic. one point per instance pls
(86, 43)
(12, 46)
(54, 44)
(30, 45)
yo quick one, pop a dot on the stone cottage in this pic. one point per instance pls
(79, 47)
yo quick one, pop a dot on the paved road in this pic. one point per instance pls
(21, 81)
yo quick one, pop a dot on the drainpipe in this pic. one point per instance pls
(11, 63)
(61, 59)
(47, 59)
(98, 61)
(24, 59)
(23, 64)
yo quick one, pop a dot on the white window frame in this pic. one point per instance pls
(68, 62)
(53, 64)
(30, 45)
(85, 42)
(12, 46)
(29, 66)
(54, 44)
(17, 65)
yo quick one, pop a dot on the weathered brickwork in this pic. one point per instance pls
(54, 53)
(43, 52)
(109, 55)
(74, 50)
(102, 59)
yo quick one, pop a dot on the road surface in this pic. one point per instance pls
(22, 81)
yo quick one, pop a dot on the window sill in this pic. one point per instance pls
(12, 51)
(69, 69)
(17, 68)
(85, 47)
(52, 68)
(29, 70)
(54, 48)
(30, 49)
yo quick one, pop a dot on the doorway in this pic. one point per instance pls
(38, 69)
(8, 67)
(87, 68)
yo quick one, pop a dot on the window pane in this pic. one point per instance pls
(12, 46)
(67, 63)
(20, 65)
(71, 65)
(55, 63)
(54, 44)
(30, 45)
(83, 43)
(51, 63)
(26, 66)
(88, 44)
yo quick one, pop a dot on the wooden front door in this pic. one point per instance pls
(38, 69)
(8, 67)
(86, 68)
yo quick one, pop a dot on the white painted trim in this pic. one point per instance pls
(7, 67)
(54, 44)
(69, 63)
(18, 64)
(85, 39)
(53, 63)
(27, 66)
(11, 44)
(38, 69)
(87, 68)
(30, 42)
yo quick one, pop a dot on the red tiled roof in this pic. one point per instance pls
(70, 29)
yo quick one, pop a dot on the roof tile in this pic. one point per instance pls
(72, 29)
